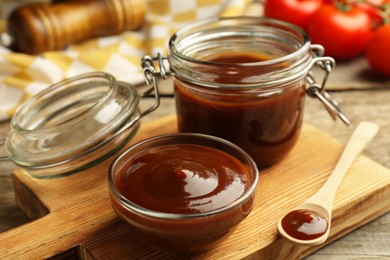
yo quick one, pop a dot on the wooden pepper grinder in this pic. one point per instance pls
(37, 28)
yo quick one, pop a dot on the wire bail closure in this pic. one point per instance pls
(151, 79)
(316, 90)
(3, 158)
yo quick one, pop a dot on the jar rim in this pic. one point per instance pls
(156, 214)
(256, 20)
(102, 109)
(28, 106)
(256, 29)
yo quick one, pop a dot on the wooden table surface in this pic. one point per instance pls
(368, 102)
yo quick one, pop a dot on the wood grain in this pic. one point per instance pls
(37, 28)
(80, 217)
(371, 241)
(362, 94)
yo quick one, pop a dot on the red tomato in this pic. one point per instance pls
(343, 34)
(297, 12)
(374, 9)
(377, 50)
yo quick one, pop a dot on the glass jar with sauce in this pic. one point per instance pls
(73, 125)
(245, 80)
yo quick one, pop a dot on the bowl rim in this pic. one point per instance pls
(175, 216)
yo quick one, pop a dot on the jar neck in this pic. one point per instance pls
(240, 52)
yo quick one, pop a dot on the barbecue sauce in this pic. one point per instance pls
(182, 179)
(267, 126)
(304, 224)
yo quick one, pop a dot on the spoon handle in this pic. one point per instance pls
(361, 136)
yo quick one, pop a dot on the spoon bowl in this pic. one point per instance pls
(316, 211)
(309, 223)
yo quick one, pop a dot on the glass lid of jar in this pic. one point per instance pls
(73, 125)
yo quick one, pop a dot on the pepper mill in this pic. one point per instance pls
(37, 28)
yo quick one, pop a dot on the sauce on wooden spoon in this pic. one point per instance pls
(309, 223)
(304, 224)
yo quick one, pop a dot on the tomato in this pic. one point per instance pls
(373, 13)
(377, 50)
(297, 12)
(374, 9)
(343, 34)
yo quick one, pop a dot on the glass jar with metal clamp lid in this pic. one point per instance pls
(245, 79)
(74, 124)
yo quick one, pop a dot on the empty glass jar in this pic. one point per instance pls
(73, 125)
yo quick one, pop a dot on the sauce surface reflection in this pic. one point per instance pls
(182, 178)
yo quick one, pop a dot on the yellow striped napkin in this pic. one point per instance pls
(22, 76)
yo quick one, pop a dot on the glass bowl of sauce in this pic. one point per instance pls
(183, 192)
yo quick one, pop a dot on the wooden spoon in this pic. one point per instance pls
(309, 223)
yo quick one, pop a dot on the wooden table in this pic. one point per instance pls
(371, 241)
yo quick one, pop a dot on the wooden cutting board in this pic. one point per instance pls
(73, 217)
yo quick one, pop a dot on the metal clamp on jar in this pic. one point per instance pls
(244, 79)
(74, 124)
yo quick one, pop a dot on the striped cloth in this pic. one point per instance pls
(22, 76)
